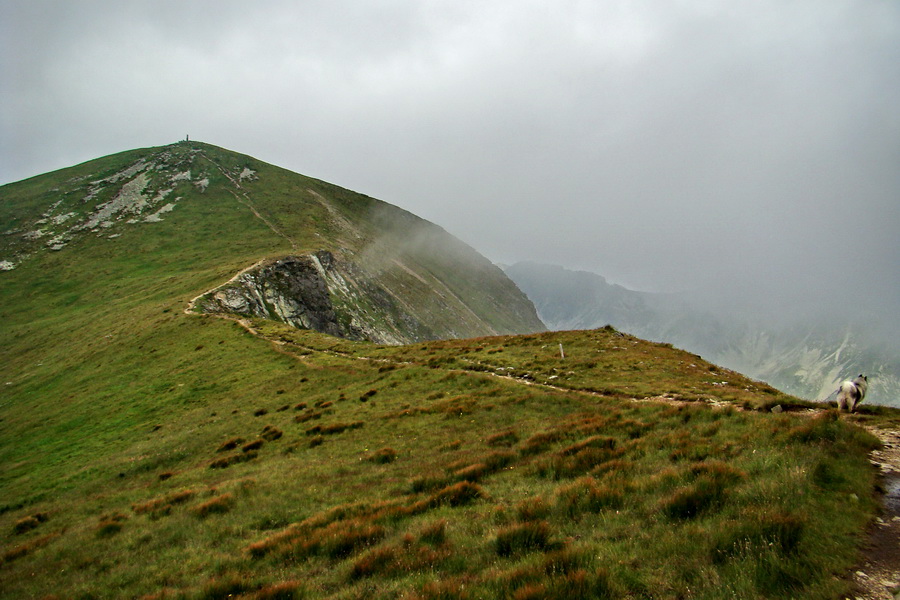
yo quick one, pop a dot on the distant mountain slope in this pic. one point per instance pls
(389, 276)
(807, 359)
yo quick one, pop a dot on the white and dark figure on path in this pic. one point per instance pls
(851, 393)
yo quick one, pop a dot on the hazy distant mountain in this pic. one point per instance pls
(807, 358)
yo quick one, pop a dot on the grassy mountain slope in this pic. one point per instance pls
(150, 452)
(195, 207)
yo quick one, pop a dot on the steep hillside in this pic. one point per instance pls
(805, 357)
(389, 276)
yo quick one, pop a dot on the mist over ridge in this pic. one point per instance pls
(802, 354)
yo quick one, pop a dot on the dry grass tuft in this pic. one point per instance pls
(29, 522)
(524, 537)
(445, 589)
(434, 533)
(705, 495)
(271, 433)
(587, 495)
(230, 444)
(401, 559)
(428, 482)
(110, 524)
(760, 532)
(27, 548)
(457, 494)
(334, 428)
(251, 446)
(230, 585)
(383, 456)
(164, 504)
(504, 438)
(540, 442)
(227, 461)
(286, 590)
(578, 459)
(532, 509)
(218, 505)
(309, 415)
(334, 534)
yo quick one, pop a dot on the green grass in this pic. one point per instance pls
(486, 467)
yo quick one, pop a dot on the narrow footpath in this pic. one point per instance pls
(878, 577)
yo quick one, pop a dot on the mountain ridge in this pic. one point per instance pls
(807, 358)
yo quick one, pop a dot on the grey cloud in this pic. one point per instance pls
(745, 149)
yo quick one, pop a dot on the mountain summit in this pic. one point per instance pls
(309, 253)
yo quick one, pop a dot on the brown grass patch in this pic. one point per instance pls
(587, 495)
(504, 438)
(271, 433)
(29, 522)
(578, 459)
(110, 524)
(457, 494)
(308, 416)
(472, 472)
(227, 461)
(335, 540)
(164, 504)
(334, 428)
(524, 537)
(286, 590)
(230, 444)
(532, 509)
(27, 548)
(383, 456)
(540, 442)
(218, 505)
(445, 589)
(428, 482)
(400, 559)
(251, 446)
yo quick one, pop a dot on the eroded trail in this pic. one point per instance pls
(878, 577)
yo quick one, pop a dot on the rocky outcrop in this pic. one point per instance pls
(293, 290)
(319, 292)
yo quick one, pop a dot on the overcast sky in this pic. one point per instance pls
(733, 146)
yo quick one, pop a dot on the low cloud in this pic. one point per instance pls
(746, 150)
